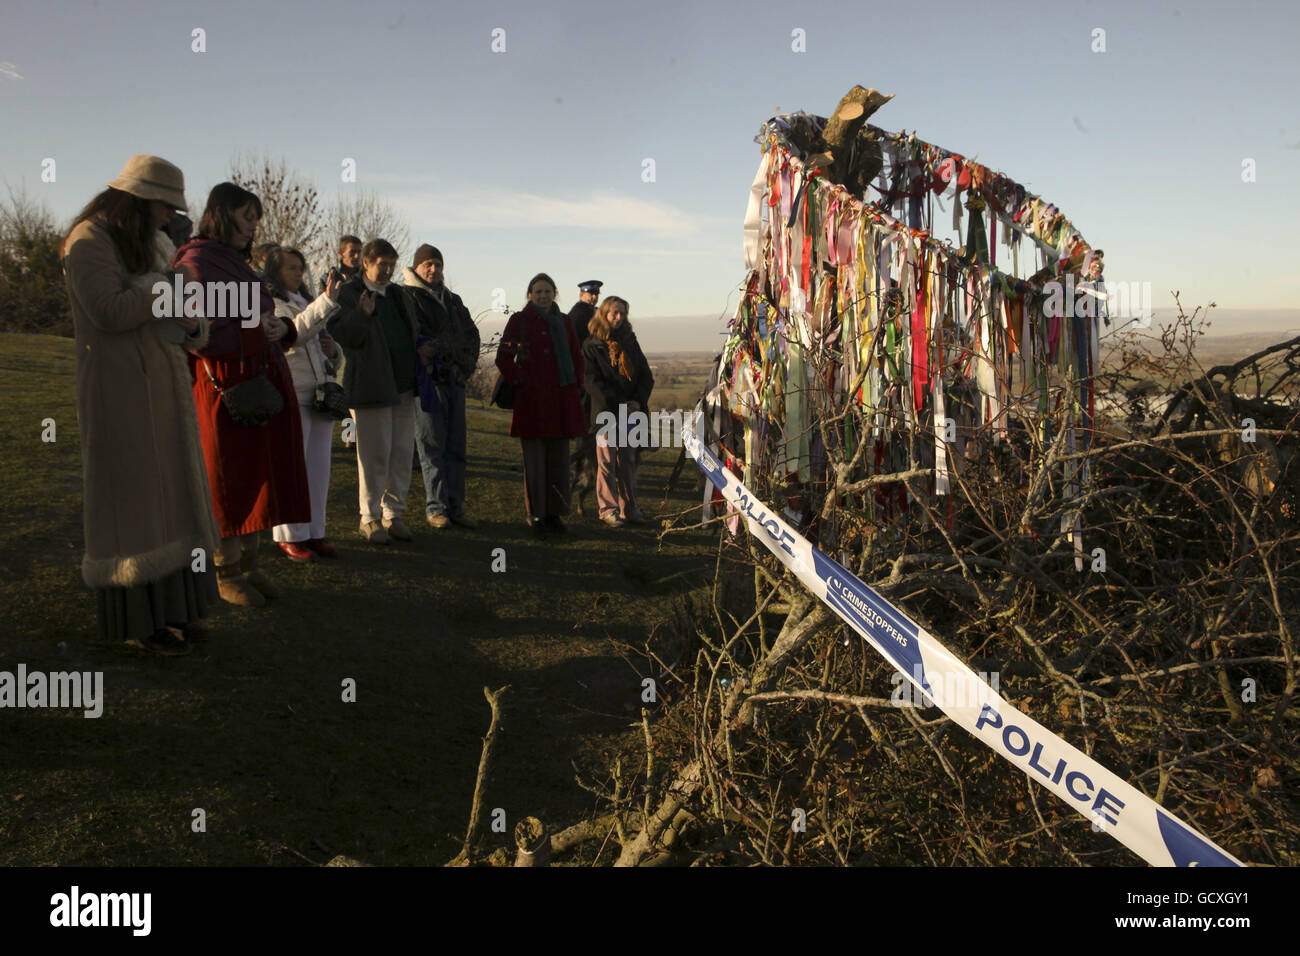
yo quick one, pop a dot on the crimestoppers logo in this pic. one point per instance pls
(74, 908)
(216, 300)
(25, 688)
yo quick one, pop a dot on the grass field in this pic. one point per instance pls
(680, 378)
(252, 728)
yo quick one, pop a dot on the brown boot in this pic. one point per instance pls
(234, 588)
(247, 564)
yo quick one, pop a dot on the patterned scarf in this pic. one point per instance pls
(554, 319)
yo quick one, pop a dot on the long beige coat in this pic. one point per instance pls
(147, 504)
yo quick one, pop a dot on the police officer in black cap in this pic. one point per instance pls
(585, 307)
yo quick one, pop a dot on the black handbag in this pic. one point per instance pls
(253, 402)
(503, 393)
(331, 400)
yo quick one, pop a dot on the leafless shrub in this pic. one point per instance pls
(32, 293)
(1175, 666)
(291, 206)
(360, 212)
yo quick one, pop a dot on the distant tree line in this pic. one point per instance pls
(33, 298)
(32, 295)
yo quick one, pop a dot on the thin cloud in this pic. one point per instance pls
(501, 209)
(400, 179)
(8, 69)
(707, 243)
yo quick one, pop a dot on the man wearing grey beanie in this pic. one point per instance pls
(440, 433)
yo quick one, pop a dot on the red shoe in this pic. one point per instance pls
(294, 551)
(323, 548)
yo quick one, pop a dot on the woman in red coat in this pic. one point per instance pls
(540, 356)
(257, 475)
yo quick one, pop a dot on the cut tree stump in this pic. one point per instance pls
(854, 109)
(857, 158)
(533, 842)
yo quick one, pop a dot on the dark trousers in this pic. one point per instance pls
(440, 442)
(546, 476)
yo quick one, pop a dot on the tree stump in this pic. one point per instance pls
(852, 157)
(854, 109)
(533, 843)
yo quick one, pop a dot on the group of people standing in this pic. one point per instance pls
(565, 371)
(411, 349)
(200, 432)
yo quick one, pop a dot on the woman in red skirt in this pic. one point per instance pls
(257, 474)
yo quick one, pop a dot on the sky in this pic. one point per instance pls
(532, 156)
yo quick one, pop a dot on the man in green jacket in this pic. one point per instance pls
(377, 329)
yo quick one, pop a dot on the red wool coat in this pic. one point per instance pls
(542, 408)
(257, 475)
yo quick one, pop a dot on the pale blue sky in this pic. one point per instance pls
(530, 160)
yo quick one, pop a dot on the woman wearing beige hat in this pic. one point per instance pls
(149, 528)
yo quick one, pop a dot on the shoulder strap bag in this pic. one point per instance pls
(330, 398)
(253, 402)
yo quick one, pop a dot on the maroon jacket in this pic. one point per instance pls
(542, 408)
(257, 475)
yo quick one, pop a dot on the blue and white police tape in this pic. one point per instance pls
(1113, 805)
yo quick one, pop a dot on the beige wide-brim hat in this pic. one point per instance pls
(152, 177)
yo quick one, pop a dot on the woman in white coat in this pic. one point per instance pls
(310, 361)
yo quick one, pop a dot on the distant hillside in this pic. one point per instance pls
(1274, 323)
(685, 336)
(690, 333)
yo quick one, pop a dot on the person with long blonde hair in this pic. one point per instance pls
(619, 381)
